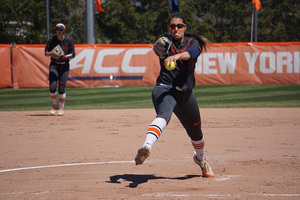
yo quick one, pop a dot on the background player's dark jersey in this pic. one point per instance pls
(67, 45)
(183, 75)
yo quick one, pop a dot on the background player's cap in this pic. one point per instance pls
(61, 26)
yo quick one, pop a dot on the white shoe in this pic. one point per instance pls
(53, 110)
(206, 169)
(142, 154)
(60, 112)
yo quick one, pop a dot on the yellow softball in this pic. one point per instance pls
(170, 66)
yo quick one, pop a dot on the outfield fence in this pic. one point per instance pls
(98, 65)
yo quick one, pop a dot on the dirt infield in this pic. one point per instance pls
(88, 154)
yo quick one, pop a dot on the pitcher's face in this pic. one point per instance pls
(177, 29)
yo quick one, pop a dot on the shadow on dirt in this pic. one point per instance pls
(40, 115)
(139, 179)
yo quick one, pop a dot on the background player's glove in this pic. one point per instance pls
(162, 46)
(57, 52)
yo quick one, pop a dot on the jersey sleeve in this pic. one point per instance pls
(194, 50)
(48, 45)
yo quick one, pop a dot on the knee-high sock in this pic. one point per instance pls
(62, 99)
(154, 131)
(54, 98)
(199, 149)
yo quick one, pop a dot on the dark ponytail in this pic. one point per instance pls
(204, 42)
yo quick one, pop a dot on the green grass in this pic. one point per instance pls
(140, 97)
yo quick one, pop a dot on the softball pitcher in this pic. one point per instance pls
(61, 49)
(173, 90)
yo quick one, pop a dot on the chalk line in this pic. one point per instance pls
(220, 195)
(64, 165)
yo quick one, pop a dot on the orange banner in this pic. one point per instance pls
(108, 65)
(124, 65)
(30, 66)
(5, 69)
(249, 63)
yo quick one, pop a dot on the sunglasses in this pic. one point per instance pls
(179, 26)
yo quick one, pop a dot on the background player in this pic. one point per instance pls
(59, 68)
(173, 90)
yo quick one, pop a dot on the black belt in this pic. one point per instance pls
(170, 86)
(60, 63)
